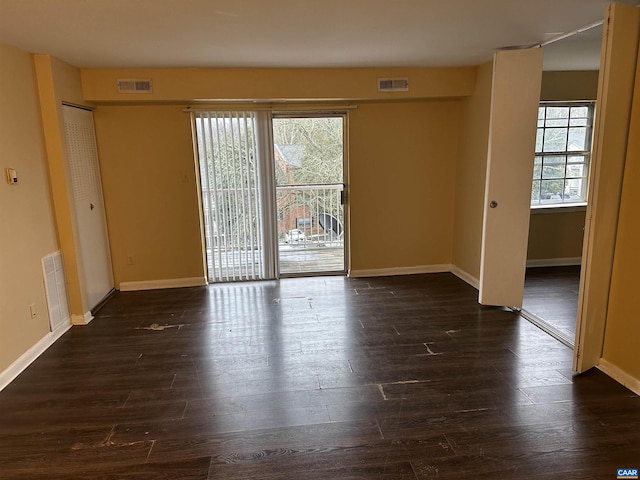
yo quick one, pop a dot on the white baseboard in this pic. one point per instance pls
(619, 375)
(159, 284)
(28, 357)
(554, 262)
(385, 272)
(81, 319)
(466, 277)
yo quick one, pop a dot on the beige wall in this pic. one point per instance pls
(571, 85)
(27, 231)
(188, 84)
(402, 177)
(402, 172)
(471, 173)
(402, 157)
(148, 177)
(556, 234)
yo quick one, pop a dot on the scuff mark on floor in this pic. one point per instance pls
(380, 429)
(429, 351)
(451, 333)
(159, 328)
(106, 442)
(384, 395)
(408, 382)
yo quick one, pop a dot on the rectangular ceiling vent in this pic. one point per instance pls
(134, 85)
(393, 84)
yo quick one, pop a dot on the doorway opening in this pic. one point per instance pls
(560, 183)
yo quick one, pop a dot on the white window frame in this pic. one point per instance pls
(567, 153)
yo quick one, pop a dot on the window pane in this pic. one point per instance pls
(555, 140)
(578, 122)
(551, 191)
(557, 112)
(557, 122)
(579, 112)
(553, 171)
(539, 138)
(541, 112)
(577, 159)
(575, 190)
(554, 160)
(577, 139)
(575, 171)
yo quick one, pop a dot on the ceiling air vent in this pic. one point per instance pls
(393, 84)
(134, 85)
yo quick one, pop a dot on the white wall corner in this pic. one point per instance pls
(465, 276)
(160, 284)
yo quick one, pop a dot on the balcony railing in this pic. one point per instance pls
(310, 226)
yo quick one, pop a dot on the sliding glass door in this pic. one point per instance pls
(309, 169)
(272, 194)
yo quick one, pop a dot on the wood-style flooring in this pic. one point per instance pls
(397, 378)
(551, 293)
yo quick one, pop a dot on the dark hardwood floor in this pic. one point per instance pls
(391, 378)
(551, 293)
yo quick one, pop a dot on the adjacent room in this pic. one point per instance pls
(351, 240)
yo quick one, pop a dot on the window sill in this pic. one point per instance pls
(558, 208)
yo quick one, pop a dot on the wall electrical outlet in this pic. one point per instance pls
(32, 310)
(131, 259)
(12, 176)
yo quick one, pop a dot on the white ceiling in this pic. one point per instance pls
(291, 33)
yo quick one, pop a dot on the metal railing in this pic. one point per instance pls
(310, 215)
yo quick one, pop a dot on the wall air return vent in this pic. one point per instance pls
(393, 84)
(134, 85)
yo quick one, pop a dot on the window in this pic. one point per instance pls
(563, 148)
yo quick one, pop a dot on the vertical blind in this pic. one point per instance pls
(237, 184)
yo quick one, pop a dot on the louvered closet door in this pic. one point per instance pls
(86, 186)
